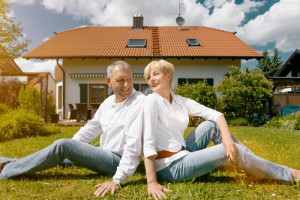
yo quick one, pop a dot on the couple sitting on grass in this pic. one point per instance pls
(128, 117)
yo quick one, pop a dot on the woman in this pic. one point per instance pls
(170, 157)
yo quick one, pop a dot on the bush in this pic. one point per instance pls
(200, 92)
(242, 91)
(21, 123)
(291, 122)
(3, 108)
(29, 99)
(238, 122)
(9, 91)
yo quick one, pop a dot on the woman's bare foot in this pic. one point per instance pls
(296, 174)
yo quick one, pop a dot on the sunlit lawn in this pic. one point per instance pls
(279, 146)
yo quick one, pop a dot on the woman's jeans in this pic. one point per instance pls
(202, 160)
(61, 152)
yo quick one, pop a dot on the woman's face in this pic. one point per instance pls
(158, 81)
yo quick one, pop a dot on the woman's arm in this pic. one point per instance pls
(227, 140)
(155, 190)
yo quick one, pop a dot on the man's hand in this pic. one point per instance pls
(157, 191)
(104, 188)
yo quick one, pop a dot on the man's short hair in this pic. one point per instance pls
(122, 64)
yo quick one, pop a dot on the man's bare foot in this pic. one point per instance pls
(296, 174)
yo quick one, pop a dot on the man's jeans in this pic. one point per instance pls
(69, 150)
(202, 160)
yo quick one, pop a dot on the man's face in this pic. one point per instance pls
(121, 83)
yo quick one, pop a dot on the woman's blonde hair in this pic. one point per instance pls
(161, 65)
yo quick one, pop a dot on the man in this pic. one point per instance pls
(119, 118)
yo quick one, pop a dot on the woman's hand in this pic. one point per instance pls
(230, 147)
(227, 140)
(157, 191)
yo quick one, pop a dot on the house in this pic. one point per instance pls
(286, 84)
(198, 54)
(9, 70)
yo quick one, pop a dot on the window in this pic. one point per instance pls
(59, 97)
(192, 42)
(97, 93)
(192, 81)
(145, 89)
(136, 43)
(182, 81)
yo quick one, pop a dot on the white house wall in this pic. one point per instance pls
(184, 68)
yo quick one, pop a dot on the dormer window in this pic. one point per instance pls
(192, 42)
(136, 43)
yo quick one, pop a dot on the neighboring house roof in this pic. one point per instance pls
(164, 41)
(9, 65)
(32, 76)
(291, 64)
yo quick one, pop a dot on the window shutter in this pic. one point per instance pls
(136, 86)
(210, 81)
(83, 93)
(181, 81)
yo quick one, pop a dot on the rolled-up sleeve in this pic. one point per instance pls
(196, 109)
(150, 125)
(90, 131)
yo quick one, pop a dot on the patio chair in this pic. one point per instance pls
(73, 112)
(94, 108)
(82, 112)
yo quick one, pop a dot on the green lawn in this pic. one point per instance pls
(279, 146)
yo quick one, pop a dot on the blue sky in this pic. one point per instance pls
(263, 24)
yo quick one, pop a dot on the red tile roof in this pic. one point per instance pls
(166, 41)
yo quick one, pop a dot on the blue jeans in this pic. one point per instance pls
(202, 160)
(60, 152)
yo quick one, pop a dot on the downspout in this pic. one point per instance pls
(64, 86)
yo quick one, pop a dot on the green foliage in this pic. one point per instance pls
(3, 108)
(23, 123)
(270, 65)
(29, 98)
(9, 91)
(51, 108)
(200, 92)
(11, 45)
(238, 122)
(291, 122)
(241, 92)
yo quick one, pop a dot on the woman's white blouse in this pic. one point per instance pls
(165, 123)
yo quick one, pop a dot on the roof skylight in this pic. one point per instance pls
(192, 42)
(136, 43)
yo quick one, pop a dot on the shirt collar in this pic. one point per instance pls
(114, 103)
(174, 97)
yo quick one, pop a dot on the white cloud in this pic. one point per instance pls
(229, 16)
(36, 65)
(279, 25)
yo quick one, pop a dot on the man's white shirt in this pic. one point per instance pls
(121, 128)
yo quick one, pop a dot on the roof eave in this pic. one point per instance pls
(150, 57)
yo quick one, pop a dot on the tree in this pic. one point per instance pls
(9, 92)
(276, 63)
(242, 91)
(270, 65)
(11, 45)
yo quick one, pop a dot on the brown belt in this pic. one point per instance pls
(165, 154)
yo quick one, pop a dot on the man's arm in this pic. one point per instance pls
(131, 154)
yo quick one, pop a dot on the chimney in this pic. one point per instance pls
(138, 22)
